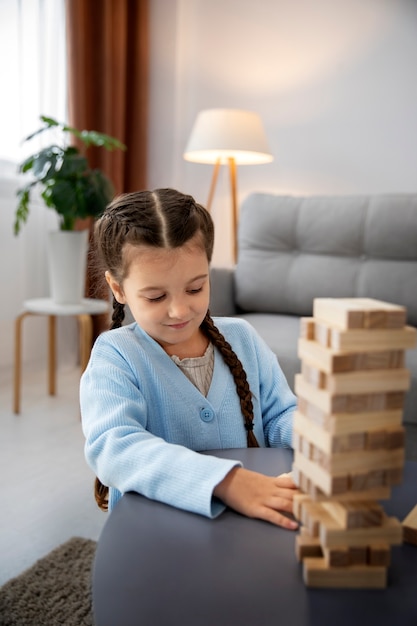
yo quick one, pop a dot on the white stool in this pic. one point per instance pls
(46, 306)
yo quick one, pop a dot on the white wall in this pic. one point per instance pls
(333, 80)
(24, 275)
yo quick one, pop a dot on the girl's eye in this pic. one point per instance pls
(193, 291)
(158, 299)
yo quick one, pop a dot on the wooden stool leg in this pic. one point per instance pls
(17, 378)
(51, 354)
(86, 338)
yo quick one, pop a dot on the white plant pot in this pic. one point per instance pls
(67, 260)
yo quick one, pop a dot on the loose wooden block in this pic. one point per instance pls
(317, 573)
(410, 526)
(359, 313)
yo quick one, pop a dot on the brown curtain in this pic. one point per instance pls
(107, 44)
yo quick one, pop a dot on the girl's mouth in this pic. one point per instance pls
(178, 326)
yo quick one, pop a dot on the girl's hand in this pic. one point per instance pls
(259, 496)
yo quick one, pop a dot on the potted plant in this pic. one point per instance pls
(73, 189)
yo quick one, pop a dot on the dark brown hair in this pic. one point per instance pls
(164, 218)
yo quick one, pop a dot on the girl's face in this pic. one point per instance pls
(167, 292)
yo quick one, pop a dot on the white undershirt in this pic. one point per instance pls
(199, 370)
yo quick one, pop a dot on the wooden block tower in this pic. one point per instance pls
(348, 439)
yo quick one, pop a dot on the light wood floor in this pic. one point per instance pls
(45, 484)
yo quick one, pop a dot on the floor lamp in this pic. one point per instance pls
(232, 137)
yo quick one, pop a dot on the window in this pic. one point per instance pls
(32, 69)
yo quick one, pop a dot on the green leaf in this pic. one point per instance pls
(68, 185)
(22, 211)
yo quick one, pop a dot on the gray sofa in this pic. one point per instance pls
(294, 249)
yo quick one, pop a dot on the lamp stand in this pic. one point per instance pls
(233, 190)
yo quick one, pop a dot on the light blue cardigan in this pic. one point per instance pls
(144, 421)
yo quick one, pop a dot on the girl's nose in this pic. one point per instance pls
(178, 309)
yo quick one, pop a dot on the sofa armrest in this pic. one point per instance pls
(222, 291)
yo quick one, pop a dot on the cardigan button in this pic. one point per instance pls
(206, 415)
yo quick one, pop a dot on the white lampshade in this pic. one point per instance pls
(221, 134)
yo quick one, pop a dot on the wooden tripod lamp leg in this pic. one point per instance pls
(17, 377)
(85, 324)
(51, 354)
(213, 184)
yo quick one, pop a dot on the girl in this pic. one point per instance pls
(175, 381)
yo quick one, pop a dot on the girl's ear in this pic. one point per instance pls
(115, 287)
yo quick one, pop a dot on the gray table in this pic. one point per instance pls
(158, 566)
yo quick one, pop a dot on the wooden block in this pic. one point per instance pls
(316, 435)
(377, 477)
(356, 514)
(379, 554)
(410, 526)
(368, 340)
(307, 546)
(307, 327)
(358, 555)
(394, 475)
(316, 573)
(298, 500)
(364, 460)
(389, 438)
(359, 313)
(346, 423)
(311, 515)
(322, 334)
(376, 439)
(328, 483)
(372, 381)
(362, 382)
(318, 495)
(347, 403)
(332, 535)
(395, 438)
(336, 557)
(313, 375)
(331, 361)
(349, 443)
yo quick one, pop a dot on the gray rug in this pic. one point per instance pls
(55, 590)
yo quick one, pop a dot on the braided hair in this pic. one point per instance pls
(164, 218)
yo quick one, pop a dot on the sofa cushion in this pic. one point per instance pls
(292, 250)
(281, 333)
